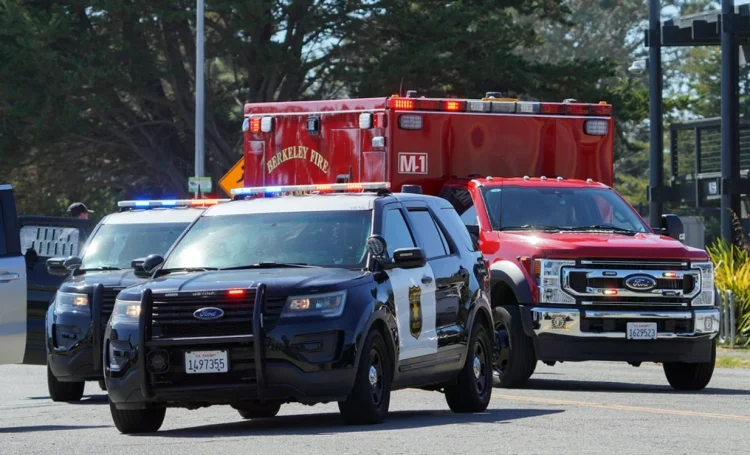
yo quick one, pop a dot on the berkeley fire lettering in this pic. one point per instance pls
(297, 152)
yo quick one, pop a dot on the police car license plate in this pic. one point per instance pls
(206, 362)
(641, 330)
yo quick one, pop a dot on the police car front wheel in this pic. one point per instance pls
(260, 410)
(369, 399)
(133, 421)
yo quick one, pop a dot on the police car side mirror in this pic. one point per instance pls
(55, 266)
(409, 258)
(151, 262)
(72, 263)
(138, 269)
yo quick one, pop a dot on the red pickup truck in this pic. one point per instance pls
(577, 274)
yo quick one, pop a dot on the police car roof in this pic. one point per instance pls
(313, 203)
(155, 215)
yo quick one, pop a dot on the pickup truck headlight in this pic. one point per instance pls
(548, 274)
(126, 311)
(326, 305)
(69, 302)
(707, 296)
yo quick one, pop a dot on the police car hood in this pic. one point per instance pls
(108, 278)
(277, 280)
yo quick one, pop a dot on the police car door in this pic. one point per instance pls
(413, 295)
(12, 282)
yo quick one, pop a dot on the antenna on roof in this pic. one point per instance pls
(401, 87)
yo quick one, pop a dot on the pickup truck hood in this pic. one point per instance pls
(280, 281)
(109, 278)
(602, 245)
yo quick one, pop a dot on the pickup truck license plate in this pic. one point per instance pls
(206, 362)
(641, 330)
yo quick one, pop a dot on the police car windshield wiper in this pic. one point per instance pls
(99, 269)
(269, 265)
(187, 269)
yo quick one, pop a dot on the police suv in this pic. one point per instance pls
(110, 261)
(308, 294)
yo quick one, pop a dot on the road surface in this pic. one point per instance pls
(572, 408)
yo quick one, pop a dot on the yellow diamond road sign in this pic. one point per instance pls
(234, 178)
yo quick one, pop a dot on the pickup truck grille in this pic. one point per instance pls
(632, 283)
(173, 316)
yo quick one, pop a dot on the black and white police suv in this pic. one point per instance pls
(341, 295)
(110, 261)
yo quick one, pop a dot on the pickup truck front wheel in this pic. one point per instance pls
(514, 360)
(690, 377)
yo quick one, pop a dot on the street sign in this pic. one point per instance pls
(202, 183)
(235, 178)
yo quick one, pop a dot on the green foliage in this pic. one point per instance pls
(732, 272)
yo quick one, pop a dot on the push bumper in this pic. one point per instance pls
(580, 334)
(314, 373)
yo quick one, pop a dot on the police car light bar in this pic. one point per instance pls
(171, 203)
(321, 188)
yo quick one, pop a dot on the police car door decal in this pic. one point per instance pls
(416, 311)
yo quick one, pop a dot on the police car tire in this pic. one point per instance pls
(102, 384)
(132, 421)
(464, 397)
(522, 359)
(358, 408)
(63, 391)
(690, 377)
(260, 411)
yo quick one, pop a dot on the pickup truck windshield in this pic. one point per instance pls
(116, 245)
(567, 209)
(324, 239)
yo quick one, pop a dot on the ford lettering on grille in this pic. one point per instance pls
(206, 314)
(641, 283)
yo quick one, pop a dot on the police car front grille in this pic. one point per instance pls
(108, 305)
(172, 317)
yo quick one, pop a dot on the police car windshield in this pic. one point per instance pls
(323, 239)
(114, 246)
(563, 209)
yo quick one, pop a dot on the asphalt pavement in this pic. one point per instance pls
(566, 409)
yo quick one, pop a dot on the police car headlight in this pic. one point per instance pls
(126, 311)
(67, 302)
(326, 305)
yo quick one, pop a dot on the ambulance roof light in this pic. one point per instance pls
(170, 203)
(318, 188)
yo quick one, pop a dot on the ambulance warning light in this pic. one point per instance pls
(319, 188)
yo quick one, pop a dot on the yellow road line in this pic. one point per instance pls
(554, 401)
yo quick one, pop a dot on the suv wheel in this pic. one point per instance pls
(514, 361)
(369, 400)
(63, 391)
(473, 391)
(260, 410)
(690, 376)
(132, 421)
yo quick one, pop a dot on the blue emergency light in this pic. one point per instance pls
(170, 203)
(317, 188)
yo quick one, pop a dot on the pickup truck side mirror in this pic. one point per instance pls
(138, 270)
(671, 225)
(151, 262)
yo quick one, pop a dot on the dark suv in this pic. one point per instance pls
(309, 298)
(110, 261)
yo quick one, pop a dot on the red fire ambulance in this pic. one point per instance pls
(577, 274)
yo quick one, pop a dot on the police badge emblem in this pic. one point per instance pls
(415, 311)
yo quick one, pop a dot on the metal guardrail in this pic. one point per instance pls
(727, 333)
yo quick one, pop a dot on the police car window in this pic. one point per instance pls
(3, 247)
(396, 232)
(324, 239)
(116, 245)
(432, 241)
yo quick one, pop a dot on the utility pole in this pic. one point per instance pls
(199, 92)
(657, 130)
(729, 120)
